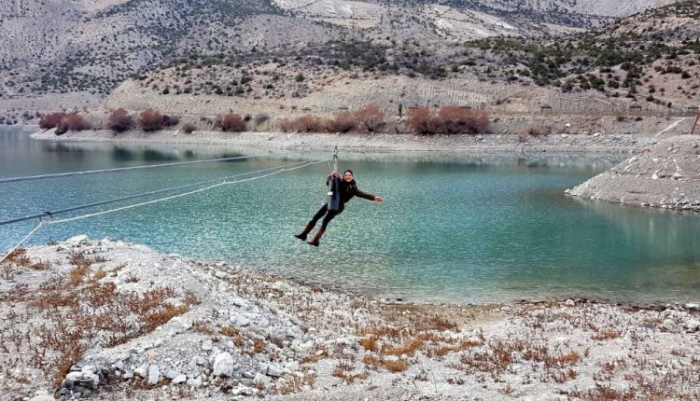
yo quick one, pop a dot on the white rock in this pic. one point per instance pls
(194, 382)
(153, 375)
(293, 366)
(89, 369)
(172, 374)
(84, 377)
(243, 390)
(207, 345)
(260, 378)
(239, 302)
(43, 398)
(77, 240)
(242, 321)
(570, 302)
(692, 306)
(692, 325)
(274, 370)
(141, 371)
(223, 365)
(179, 379)
(281, 286)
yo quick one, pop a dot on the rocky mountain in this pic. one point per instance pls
(91, 46)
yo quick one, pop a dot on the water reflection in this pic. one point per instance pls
(120, 154)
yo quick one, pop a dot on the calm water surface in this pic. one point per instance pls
(452, 228)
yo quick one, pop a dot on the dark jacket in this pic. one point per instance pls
(348, 190)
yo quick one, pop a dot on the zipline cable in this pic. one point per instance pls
(120, 169)
(53, 222)
(38, 226)
(81, 217)
(101, 203)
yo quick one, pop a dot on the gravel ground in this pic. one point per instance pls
(113, 321)
(666, 177)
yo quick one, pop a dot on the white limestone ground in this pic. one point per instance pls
(225, 332)
(667, 177)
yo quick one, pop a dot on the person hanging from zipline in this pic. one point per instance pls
(343, 189)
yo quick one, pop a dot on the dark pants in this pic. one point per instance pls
(330, 214)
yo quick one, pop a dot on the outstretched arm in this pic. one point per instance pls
(367, 196)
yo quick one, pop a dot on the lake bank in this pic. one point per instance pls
(223, 330)
(524, 135)
(666, 177)
(380, 143)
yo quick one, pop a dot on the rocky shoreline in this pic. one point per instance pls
(521, 135)
(667, 177)
(112, 320)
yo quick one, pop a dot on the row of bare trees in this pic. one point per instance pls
(367, 119)
(64, 122)
(449, 120)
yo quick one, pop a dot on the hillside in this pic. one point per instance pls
(625, 69)
(88, 47)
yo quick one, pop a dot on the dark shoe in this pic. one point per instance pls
(317, 238)
(302, 235)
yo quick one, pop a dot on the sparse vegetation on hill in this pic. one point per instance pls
(266, 50)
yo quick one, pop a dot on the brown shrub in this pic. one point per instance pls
(370, 117)
(188, 128)
(343, 123)
(72, 122)
(51, 120)
(151, 120)
(120, 121)
(305, 123)
(457, 120)
(420, 121)
(230, 123)
(450, 120)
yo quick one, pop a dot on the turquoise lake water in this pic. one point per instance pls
(452, 228)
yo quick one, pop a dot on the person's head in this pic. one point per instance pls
(347, 176)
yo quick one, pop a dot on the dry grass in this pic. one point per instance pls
(408, 348)
(259, 346)
(392, 365)
(370, 343)
(76, 312)
(229, 331)
(294, 384)
(606, 335)
(604, 393)
(13, 262)
(317, 356)
(200, 326)
(40, 266)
